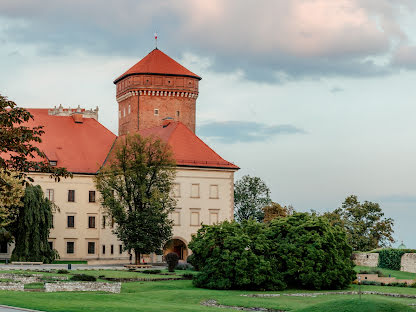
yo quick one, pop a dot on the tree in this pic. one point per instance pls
(31, 228)
(274, 210)
(18, 150)
(366, 227)
(10, 197)
(135, 187)
(251, 194)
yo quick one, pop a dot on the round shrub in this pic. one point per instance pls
(172, 259)
(310, 253)
(230, 255)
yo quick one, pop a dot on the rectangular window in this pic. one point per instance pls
(52, 221)
(112, 222)
(3, 247)
(50, 195)
(103, 222)
(91, 197)
(213, 217)
(213, 191)
(195, 218)
(176, 188)
(91, 248)
(177, 113)
(70, 247)
(120, 249)
(112, 249)
(70, 221)
(129, 109)
(71, 195)
(176, 217)
(156, 111)
(103, 250)
(50, 245)
(91, 222)
(195, 190)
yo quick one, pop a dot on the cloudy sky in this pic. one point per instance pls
(316, 97)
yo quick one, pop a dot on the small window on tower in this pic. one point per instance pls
(124, 112)
(129, 109)
(177, 113)
(156, 111)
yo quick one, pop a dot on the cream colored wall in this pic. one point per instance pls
(81, 209)
(203, 207)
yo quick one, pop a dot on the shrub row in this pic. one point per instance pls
(299, 251)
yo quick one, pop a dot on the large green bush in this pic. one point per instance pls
(390, 258)
(310, 253)
(233, 256)
(296, 251)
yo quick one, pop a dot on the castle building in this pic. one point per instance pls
(157, 96)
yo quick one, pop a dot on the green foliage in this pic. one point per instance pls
(10, 198)
(231, 255)
(390, 258)
(372, 271)
(301, 251)
(150, 271)
(184, 266)
(135, 186)
(172, 259)
(187, 276)
(275, 210)
(18, 145)
(366, 227)
(62, 271)
(251, 194)
(83, 277)
(310, 252)
(31, 228)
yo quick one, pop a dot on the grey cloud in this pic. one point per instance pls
(262, 38)
(336, 90)
(245, 131)
(405, 57)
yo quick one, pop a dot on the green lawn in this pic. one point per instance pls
(182, 296)
(392, 273)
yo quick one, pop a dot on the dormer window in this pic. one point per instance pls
(53, 162)
(156, 111)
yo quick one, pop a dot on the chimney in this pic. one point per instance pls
(78, 118)
(166, 121)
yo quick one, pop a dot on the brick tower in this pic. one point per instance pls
(156, 88)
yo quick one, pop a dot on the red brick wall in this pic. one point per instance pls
(168, 94)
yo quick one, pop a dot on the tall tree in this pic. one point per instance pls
(365, 224)
(251, 194)
(275, 210)
(135, 189)
(31, 228)
(18, 150)
(10, 198)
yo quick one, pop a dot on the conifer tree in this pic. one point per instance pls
(31, 228)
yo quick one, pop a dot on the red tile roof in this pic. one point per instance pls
(157, 62)
(79, 147)
(188, 149)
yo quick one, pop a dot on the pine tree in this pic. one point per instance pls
(31, 228)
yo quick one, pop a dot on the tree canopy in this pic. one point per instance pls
(10, 197)
(275, 210)
(365, 224)
(135, 188)
(31, 228)
(251, 195)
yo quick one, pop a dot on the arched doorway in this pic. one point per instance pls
(178, 246)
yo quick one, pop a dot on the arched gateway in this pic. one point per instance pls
(177, 245)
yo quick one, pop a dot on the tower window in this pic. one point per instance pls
(129, 109)
(156, 111)
(177, 113)
(124, 112)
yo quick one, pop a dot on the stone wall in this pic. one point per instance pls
(25, 279)
(365, 259)
(12, 286)
(409, 262)
(83, 286)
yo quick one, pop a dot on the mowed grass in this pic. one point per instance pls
(183, 296)
(386, 272)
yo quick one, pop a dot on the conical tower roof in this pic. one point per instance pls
(157, 62)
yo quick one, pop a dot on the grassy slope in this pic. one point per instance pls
(182, 296)
(396, 274)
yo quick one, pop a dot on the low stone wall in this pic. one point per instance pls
(25, 279)
(365, 259)
(385, 280)
(409, 262)
(83, 286)
(12, 286)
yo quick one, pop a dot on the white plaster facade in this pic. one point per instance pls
(204, 196)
